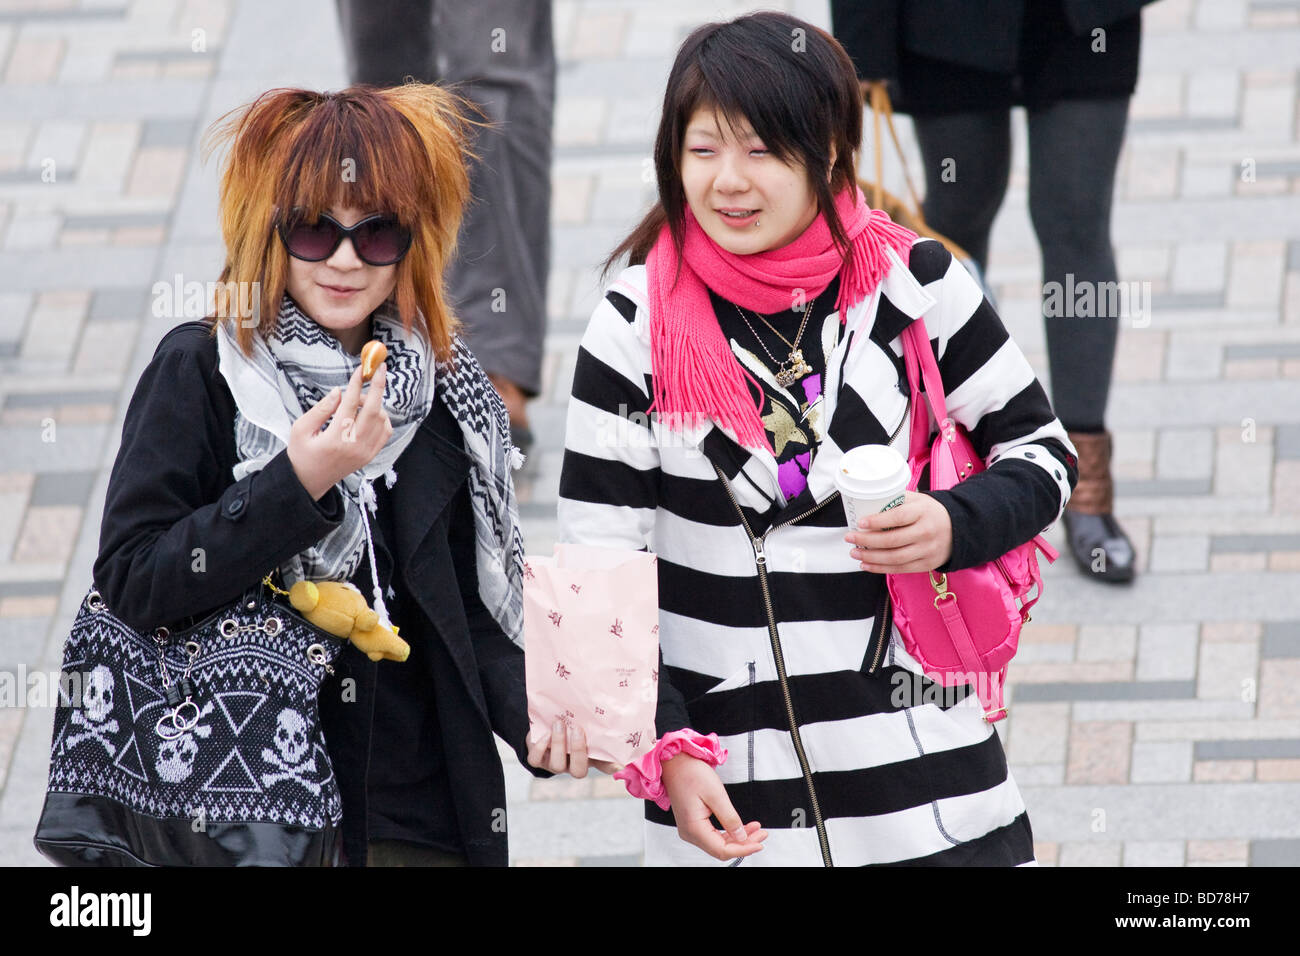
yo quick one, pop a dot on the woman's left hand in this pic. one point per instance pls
(565, 751)
(915, 536)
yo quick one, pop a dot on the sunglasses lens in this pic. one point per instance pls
(381, 242)
(311, 241)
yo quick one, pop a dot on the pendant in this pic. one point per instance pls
(798, 368)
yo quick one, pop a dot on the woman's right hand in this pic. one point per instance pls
(322, 458)
(697, 792)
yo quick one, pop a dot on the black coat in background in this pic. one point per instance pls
(171, 499)
(947, 55)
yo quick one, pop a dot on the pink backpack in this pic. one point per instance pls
(961, 627)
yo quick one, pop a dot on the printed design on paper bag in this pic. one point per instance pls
(528, 572)
(575, 588)
(292, 755)
(654, 674)
(97, 704)
(634, 739)
(655, 629)
(554, 617)
(600, 711)
(562, 671)
(616, 628)
(625, 675)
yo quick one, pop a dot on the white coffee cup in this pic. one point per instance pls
(871, 479)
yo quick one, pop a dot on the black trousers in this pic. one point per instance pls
(499, 54)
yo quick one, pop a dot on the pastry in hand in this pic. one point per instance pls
(373, 354)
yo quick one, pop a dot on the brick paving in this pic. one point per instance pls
(1156, 725)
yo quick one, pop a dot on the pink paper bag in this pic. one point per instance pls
(591, 640)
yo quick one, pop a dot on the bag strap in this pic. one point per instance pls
(880, 106)
(919, 359)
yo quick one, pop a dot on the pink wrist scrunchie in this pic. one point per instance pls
(644, 775)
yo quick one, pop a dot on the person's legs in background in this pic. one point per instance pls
(500, 55)
(1074, 147)
(967, 160)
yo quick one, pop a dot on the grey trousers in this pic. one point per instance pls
(499, 54)
(1074, 147)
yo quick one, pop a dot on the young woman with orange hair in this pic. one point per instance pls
(253, 438)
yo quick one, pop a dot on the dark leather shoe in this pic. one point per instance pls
(1097, 541)
(1100, 546)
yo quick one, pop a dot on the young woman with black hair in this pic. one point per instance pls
(756, 331)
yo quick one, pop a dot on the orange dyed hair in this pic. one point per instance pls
(400, 150)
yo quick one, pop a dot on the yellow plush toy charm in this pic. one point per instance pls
(340, 609)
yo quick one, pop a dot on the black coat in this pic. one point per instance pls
(172, 507)
(957, 56)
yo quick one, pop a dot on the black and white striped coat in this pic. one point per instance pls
(892, 776)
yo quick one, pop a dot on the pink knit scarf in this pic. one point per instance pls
(695, 373)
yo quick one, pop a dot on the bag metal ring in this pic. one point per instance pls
(316, 654)
(184, 725)
(176, 731)
(271, 626)
(945, 594)
(94, 602)
(192, 648)
(229, 627)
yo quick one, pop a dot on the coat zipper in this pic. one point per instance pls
(760, 559)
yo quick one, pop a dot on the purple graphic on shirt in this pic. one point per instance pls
(793, 475)
(812, 388)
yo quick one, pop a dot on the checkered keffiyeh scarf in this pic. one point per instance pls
(297, 365)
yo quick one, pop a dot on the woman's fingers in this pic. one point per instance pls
(314, 419)
(345, 420)
(577, 744)
(559, 758)
(537, 751)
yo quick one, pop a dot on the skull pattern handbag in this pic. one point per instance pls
(201, 747)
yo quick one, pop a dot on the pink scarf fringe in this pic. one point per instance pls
(695, 374)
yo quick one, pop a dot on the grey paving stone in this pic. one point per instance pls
(1105, 690)
(1246, 749)
(1279, 350)
(1169, 301)
(16, 848)
(53, 268)
(1280, 639)
(1098, 852)
(1275, 852)
(1205, 403)
(75, 448)
(29, 588)
(168, 132)
(1154, 853)
(1293, 255)
(1286, 442)
(1179, 552)
(1161, 762)
(575, 828)
(1184, 454)
(1162, 811)
(116, 220)
(1286, 168)
(1180, 124)
(22, 640)
(41, 399)
(1192, 361)
(1162, 488)
(62, 487)
(622, 860)
(155, 98)
(1167, 652)
(31, 14)
(1220, 543)
(116, 304)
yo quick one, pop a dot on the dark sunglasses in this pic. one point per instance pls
(379, 240)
